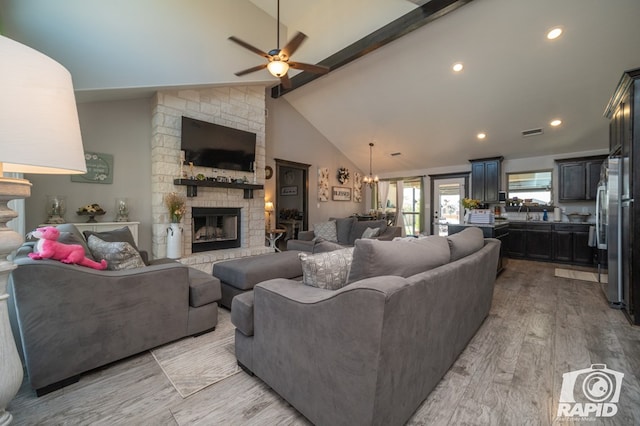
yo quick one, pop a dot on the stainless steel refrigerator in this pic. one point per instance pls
(608, 227)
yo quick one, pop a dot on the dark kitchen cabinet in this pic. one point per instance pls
(530, 241)
(578, 178)
(486, 179)
(571, 244)
(557, 242)
(517, 241)
(623, 111)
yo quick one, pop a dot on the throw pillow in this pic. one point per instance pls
(465, 242)
(119, 255)
(370, 232)
(326, 230)
(343, 226)
(372, 258)
(360, 226)
(326, 270)
(116, 235)
(75, 237)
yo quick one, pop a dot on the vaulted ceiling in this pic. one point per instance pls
(404, 96)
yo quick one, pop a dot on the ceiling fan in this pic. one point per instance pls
(278, 59)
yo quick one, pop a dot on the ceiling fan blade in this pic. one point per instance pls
(284, 80)
(315, 69)
(249, 47)
(293, 45)
(250, 70)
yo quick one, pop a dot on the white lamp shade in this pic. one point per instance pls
(39, 127)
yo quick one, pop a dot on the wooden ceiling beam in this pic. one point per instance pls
(407, 23)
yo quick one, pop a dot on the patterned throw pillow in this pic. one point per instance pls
(370, 232)
(326, 230)
(119, 255)
(328, 270)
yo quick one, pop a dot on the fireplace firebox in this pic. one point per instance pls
(215, 228)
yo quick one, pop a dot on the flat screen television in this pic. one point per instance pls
(220, 147)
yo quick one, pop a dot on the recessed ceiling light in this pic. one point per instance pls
(457, 67)
(482, 135)
(554, 33)
(556, 123)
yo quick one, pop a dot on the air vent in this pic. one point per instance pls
(531, 132)
(395, 154)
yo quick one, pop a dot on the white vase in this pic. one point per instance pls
(467, 215)
(174, 241)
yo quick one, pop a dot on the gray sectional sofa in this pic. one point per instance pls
(371, 352)
(69, 319)
(348, 230)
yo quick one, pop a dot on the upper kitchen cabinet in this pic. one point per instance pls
(578, 178)
(486, 177)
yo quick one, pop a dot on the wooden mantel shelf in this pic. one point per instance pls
(193, 184)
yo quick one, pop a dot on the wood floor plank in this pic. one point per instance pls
(540, 327)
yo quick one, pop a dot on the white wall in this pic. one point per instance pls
(291, 137)
(119, 128)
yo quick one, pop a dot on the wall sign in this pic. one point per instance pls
(99, 169)
(340, 193)
(289, 190)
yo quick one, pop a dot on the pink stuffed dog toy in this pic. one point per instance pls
(48, 247)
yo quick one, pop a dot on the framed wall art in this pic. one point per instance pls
(289, 190)
(323, 184)
(99, 169)
(341, 193)
(357, 187)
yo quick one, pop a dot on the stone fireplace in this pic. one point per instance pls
(241, 107)
(215, 228)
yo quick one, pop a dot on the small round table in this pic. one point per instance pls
(272, 235)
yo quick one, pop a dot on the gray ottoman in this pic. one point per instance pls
(241, 275)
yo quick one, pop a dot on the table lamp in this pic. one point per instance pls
(268, 207)
(39, 133)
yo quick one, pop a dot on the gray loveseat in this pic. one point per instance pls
(372, 351)
(69, 319)
(348, 230)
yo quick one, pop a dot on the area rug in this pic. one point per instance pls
(194, 363)
(580, 275)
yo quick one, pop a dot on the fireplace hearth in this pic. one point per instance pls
(215, 228)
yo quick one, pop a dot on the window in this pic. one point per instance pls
(534, 187)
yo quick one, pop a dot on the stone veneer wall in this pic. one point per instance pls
(240, 107)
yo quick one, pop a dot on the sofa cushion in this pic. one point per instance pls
(463, 243)
(326, 270)
(119, 255)
(69, 234)
(359, 227)
(343, 228)
(402, 258)
(371, 232)
(242, 313)
(326, 230)
(246, 272)
(203, 288)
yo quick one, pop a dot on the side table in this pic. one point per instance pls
(272, 235)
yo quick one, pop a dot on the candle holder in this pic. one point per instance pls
(56, 208)
(122, 210)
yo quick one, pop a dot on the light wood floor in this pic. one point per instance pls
(540, 327)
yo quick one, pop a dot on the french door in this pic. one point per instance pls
(447, 192)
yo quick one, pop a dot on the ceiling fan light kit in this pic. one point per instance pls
(279, 63)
